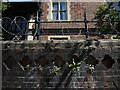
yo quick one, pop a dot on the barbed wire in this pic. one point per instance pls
(14, 24)
(6, 31)
(24, 30)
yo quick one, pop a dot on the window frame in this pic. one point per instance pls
(50, 14)
(59, 11)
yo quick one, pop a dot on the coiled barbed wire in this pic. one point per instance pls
(22, 31)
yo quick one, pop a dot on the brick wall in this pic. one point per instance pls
(45, 7)
(105, 75)
(76, 14)
(72, 37)
(77, 10)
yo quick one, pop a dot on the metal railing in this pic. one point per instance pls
(18, 28)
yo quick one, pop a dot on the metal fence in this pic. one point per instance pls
(20, 28)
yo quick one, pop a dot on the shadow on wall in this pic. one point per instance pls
(108, 61)
(10, 61)
(91, 60)
(42, 60)
(25, 61)
(59, 61)
(118, 60)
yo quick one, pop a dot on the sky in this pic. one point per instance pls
(18, 0)
(116, 6)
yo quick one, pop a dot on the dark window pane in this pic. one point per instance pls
(55, 6)
(55, 16)
(62, 5)
(63, 16)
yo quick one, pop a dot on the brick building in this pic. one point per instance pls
(66, 19)
(60, 20)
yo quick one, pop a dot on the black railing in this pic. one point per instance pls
(18, 28)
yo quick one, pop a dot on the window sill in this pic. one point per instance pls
(58, 20)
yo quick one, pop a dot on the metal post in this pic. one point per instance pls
(36, 36)
(86, 22)
(38, 23)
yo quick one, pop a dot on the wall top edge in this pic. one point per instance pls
(60, 0)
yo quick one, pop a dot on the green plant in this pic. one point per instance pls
(105, 15)
(76, 61)
(4, 6)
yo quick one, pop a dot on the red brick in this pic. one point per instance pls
(76, 11)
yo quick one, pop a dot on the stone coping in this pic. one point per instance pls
(60, 41)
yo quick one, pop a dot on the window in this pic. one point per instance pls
(59, 11)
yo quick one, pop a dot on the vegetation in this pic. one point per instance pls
(107, 12)
(4, 6)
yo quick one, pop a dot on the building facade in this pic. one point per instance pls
(66, 19)
(60, 20)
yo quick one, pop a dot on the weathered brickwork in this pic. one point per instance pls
(77, 10)
(44, 6)
(105, 58)
(72, 37)
(76, 14)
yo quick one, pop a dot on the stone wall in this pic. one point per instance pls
(16, 56)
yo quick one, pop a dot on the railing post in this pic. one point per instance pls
(38, 24)
(86, 22)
